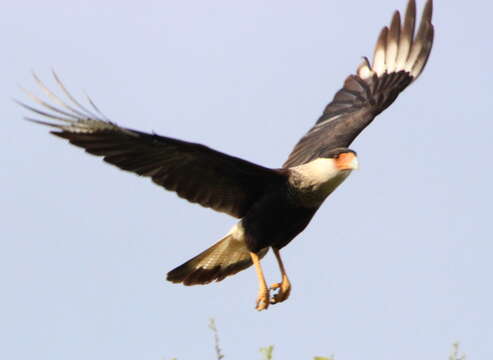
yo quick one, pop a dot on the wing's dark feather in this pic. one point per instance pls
(399, 58)
(195, 172)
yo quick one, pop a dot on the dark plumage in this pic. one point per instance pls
(399, 59)
(273, 205)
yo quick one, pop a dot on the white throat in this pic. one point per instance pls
(314, 181)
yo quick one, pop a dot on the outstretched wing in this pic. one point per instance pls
(195, 172)
(398, 60)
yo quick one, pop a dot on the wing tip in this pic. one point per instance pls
(399, 48)
(66, 112)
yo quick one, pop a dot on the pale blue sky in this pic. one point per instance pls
(396, 265)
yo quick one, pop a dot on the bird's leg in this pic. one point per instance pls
(263, 298)
(284, 286)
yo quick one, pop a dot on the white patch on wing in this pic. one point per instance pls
(404, 47)
(364, 71)
(379, 61)
(399, 47)
(390, 56)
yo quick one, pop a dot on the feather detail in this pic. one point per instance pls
(225, 258)
(399, 58)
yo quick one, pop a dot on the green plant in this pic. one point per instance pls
(267, 352)
(454, 355)
(212, 326)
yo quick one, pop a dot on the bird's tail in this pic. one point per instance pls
(227, 257)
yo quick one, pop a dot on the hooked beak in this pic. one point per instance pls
(347, 161)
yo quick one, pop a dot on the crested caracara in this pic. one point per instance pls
(273, 205)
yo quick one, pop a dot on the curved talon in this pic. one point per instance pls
(263, 301)
(284, 287)
(275, 286)
(283, 293)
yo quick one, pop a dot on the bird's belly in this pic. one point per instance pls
(275, 222)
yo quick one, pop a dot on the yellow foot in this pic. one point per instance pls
(283, 293)
(263, 300)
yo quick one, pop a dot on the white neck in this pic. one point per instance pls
(315, 180)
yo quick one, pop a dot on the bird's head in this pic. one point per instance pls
(316, 179)
(330, 166)
(344, 158)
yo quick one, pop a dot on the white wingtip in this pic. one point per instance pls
(398, 48)
(364, 69)
(379, 66)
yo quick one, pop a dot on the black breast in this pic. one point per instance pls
(275, 220)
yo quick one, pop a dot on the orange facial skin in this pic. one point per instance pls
(347, 161)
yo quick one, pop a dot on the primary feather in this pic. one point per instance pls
(398, 60)
(195, 172)
(274, 205)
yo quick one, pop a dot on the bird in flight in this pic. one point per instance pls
(273, 205)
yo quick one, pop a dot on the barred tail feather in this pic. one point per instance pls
(227, 257)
